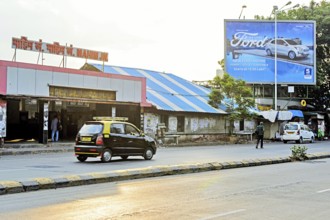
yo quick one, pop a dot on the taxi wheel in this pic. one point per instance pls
(148, 154)
(82, 158)
(312, 140)
(106, 155)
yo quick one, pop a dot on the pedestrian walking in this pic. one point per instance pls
(54, 128)
(260, 135)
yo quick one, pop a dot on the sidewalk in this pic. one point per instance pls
(33, 147)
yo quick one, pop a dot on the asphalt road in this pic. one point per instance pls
(26, 167)
(298, 190)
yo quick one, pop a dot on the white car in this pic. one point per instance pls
(297, 132)
(287, 47)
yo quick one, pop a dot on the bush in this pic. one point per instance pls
(299, 152)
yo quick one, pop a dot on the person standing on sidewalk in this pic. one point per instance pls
(54, 127)
(260, 135)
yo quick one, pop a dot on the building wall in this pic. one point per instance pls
(196, 126)
(34, 80)
(204, 124)
(151, 121)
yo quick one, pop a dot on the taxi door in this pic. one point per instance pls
(116, 141)
(134, 142)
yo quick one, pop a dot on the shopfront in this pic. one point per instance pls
(74, 95)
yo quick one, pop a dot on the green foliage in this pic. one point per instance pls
(298, 152)
(238, 97)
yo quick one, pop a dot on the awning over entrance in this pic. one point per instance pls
(315, 115)
(297, 113)
(273, 115)
(69, 99)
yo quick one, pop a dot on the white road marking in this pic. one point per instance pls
(224, 214)
(322, 191)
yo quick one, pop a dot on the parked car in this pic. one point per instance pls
(297, 132)
(107, 138)
(287, 47)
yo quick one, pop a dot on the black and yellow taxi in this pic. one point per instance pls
(107, 137)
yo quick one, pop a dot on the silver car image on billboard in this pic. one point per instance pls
(287, 47)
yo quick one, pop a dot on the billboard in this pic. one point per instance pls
(250, 51)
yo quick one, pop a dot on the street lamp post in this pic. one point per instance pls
(243, 6)
(276, 10)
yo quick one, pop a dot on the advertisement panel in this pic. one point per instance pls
(250, 51)
(3, 118)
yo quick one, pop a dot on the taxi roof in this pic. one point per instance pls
(106, 118)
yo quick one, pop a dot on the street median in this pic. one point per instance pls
(10, 187)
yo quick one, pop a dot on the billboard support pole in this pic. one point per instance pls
(276, 10)
(275, 70)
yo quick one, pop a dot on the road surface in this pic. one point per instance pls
(299, 190)
(26, 167)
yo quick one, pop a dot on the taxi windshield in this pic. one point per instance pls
(91, 128)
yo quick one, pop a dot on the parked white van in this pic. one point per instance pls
(297, 132)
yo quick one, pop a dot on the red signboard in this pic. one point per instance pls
(24, 44)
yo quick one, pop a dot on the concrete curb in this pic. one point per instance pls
(10, 152)
(9, 187)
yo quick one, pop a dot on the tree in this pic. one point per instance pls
(235, 95)
(319, 95)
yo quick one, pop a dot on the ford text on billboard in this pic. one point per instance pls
(250, 51)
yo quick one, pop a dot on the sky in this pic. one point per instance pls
(182, 37)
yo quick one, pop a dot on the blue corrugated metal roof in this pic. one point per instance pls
(167, 91)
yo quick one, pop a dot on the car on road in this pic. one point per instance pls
(287, 47)
(108, 137)
(297, 132)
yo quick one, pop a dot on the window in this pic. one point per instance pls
(291, 127)
(164, 119)
(282, 92)
(180, 127)
(131, 130)
(241, 125)
(263, 91)
(91, 128)
(117, 128)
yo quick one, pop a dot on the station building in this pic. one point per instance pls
(31, 94)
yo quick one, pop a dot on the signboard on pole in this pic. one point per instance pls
(3, 119)
(250, 49)
(45, 117)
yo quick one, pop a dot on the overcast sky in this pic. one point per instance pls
(183, 37)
